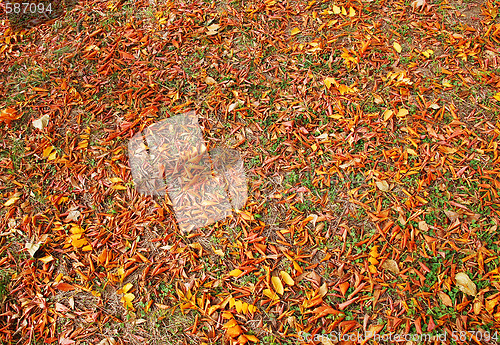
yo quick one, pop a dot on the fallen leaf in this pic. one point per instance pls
(278, 286)
(402, 112)
(213, 29)
(397, 47)
(391, 265)
(445, 299)
(382, 185)
(465, 284)
(42, 122)
(294, 31)
(453, 216)
(12, 200)
(8, 115)
(65, 287)
(422, 225)
(210, 81)
(32, 248)
(287, 278)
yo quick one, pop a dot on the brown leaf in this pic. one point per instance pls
(445, 299)
(391, 265)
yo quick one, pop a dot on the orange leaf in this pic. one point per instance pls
(65, 287)
(8, 115)
(343, 287)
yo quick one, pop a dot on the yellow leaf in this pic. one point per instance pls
(397, 47)
(412, 152)
(118, 187)
(46, 259)
(286, 278)
(497, 96)
(239, 306)
(329, 82)
(244, 308)
(126, 288)
(402, 112)
(47, 151)
(272, 295)
(446, 83)
(336, 9)
(344, 12)
(278, 286)
(87, 248)
(52, 156)
(127, 300)
(116, 179)
(352, 12)
(252, 308)
(75, 229)
(428, 53)
(388, 114)
(11, 201)
(235, 273)
(294, 31)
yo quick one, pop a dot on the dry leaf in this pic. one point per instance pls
(32, 248)
(445, 299)
(452, 216)
(42, 122)
(391, 265)
(294, 31)
(397, 47)
(210, 81)
(465, 284)
(422, 225)
(382, 185)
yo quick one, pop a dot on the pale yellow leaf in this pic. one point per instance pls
(126, 288)
(352, 12)
(11, 201)
(294, 31)
(465, 284)
(397, 47)
(382, 185)
(210, 81)
(336, 9)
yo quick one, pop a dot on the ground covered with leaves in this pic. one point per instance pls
(369, 132)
